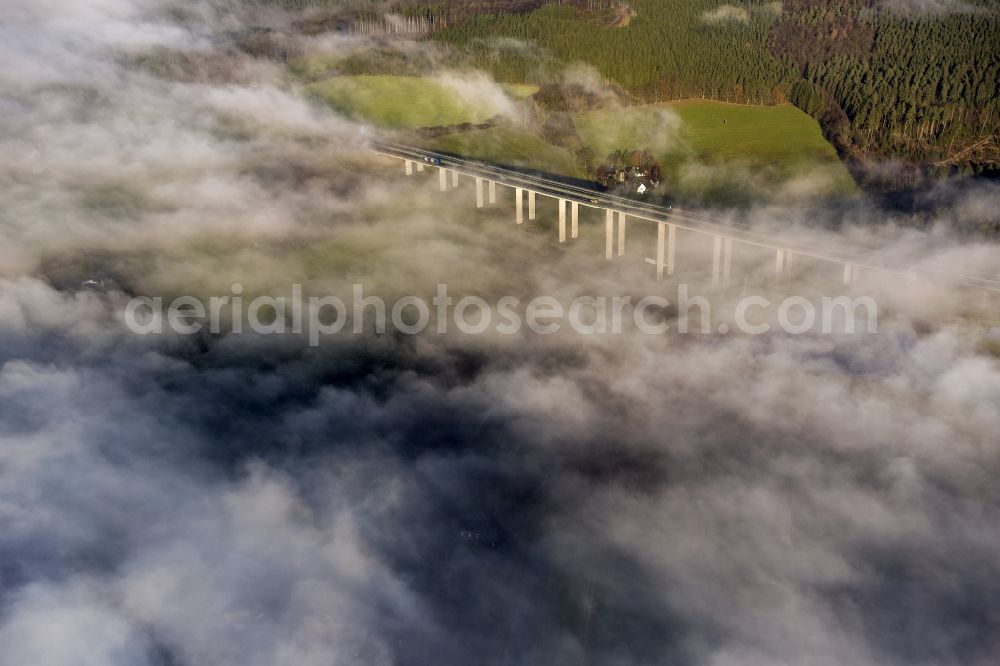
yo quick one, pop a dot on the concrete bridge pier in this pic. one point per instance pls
(479, 192)
(493, 191)
(727, 260)
(661, 232)
(454, 179)
(409, 167)
(531, 204)
(519, 204)
(443, 179)
(609, 230)
(716, 259)
(609, 233)
(779, 263)
(848, 273)
(575, 220)
(562, 220)
(671, 248)
(420, 166)
(621, 234)
(666, 249)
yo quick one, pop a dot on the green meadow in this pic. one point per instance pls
(407, 102)
(508, 146)
(722, 152)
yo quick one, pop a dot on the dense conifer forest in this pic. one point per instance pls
(885, 83)
(658, 49)
(923, 87)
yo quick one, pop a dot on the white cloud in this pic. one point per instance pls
(633, 499)
(726, 13)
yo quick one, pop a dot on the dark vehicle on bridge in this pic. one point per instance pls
(631, 173)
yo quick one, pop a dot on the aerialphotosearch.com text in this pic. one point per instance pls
(320, 316)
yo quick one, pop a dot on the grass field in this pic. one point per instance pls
(509, 146)
(405, 102)
(722, 152)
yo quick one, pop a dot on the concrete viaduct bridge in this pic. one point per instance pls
(617, 210)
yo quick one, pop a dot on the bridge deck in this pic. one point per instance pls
(688, 220)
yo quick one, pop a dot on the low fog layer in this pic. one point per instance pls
(526, 499)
